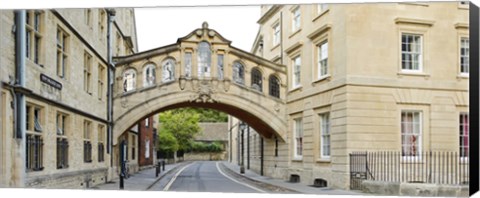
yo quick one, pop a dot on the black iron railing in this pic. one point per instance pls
(436, 167)
(101, 152)
(87, 151)
(62, 153)
(34, 150)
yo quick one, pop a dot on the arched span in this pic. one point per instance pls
(267, 122)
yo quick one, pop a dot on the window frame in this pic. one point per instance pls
(129, 80)
(256, 76)
(325, 118)
(34, 155)
(172, 67)
(296, 67)
(271, 89)
(238, 73)
(34, 30)
(220, 66)
(296, 19)
(87, 141)
(277, 32)
(87, 72)
(101, 81)
(461, 146)
(188, 63)
(467, 56)
(298, 134)
(63, 40)
(320, 73)
(204, 68)
(420, 134)
(101, 142)
(149, 75)
(421, 53)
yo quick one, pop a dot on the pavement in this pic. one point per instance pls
(285, 185)
(141, 180)
(145, 179)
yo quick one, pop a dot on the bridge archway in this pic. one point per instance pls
(200, 70)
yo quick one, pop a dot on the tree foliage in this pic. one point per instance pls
(182, 125)
(167, 143)
(206, 147)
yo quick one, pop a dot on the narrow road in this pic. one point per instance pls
(204, 176)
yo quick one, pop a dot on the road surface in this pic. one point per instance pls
(204, 176)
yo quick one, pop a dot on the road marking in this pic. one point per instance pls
(254, 188)
(175, 177)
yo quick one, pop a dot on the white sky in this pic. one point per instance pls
(162, 26)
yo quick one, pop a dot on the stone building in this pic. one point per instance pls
(376, 77)
(55, 94)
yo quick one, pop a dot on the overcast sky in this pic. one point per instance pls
(162, 26)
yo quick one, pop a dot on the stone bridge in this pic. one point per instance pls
(201, 69)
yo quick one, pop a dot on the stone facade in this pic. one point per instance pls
(364, 90)
(78, 37)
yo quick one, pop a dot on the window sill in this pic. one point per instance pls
(297, 159)
(320, 15)
(463, 76)
(295, 33)
(322, 78)
(275, 47)
(299, 87)
(413, 73)
(146, 88)
(323, 160)
(128, 93)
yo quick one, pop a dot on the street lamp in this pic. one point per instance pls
(242, 127)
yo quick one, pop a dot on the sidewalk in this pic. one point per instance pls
(295, 187)
(139, 181)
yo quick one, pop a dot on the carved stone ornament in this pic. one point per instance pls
(124, 102)
(204, 92)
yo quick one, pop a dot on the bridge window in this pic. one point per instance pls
(220, 66)
(274, 86)
(168, 70)
(129, 80)
(188, 64)
(149, 75)
(238, 73)
(256, 80)
(204, 59)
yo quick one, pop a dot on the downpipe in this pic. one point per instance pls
(20, 104)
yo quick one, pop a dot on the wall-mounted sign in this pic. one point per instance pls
(55, 84)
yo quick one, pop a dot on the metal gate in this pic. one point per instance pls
(358, 169)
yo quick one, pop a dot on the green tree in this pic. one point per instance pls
(183, 125)
(167, 143)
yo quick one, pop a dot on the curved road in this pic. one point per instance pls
(205, 176)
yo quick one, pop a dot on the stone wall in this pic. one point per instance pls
(71, 180)
(205, 156)
(414, 189)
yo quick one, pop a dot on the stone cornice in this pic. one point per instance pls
(319, 31)
(401, 20)
(269, 14)
(461, 25)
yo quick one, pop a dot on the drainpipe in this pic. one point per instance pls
(261, 156)
(111, 18)
(248, 147)
(20, 124)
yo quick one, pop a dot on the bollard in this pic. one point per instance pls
(121, 181)
(157, 170)
(163, 165)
